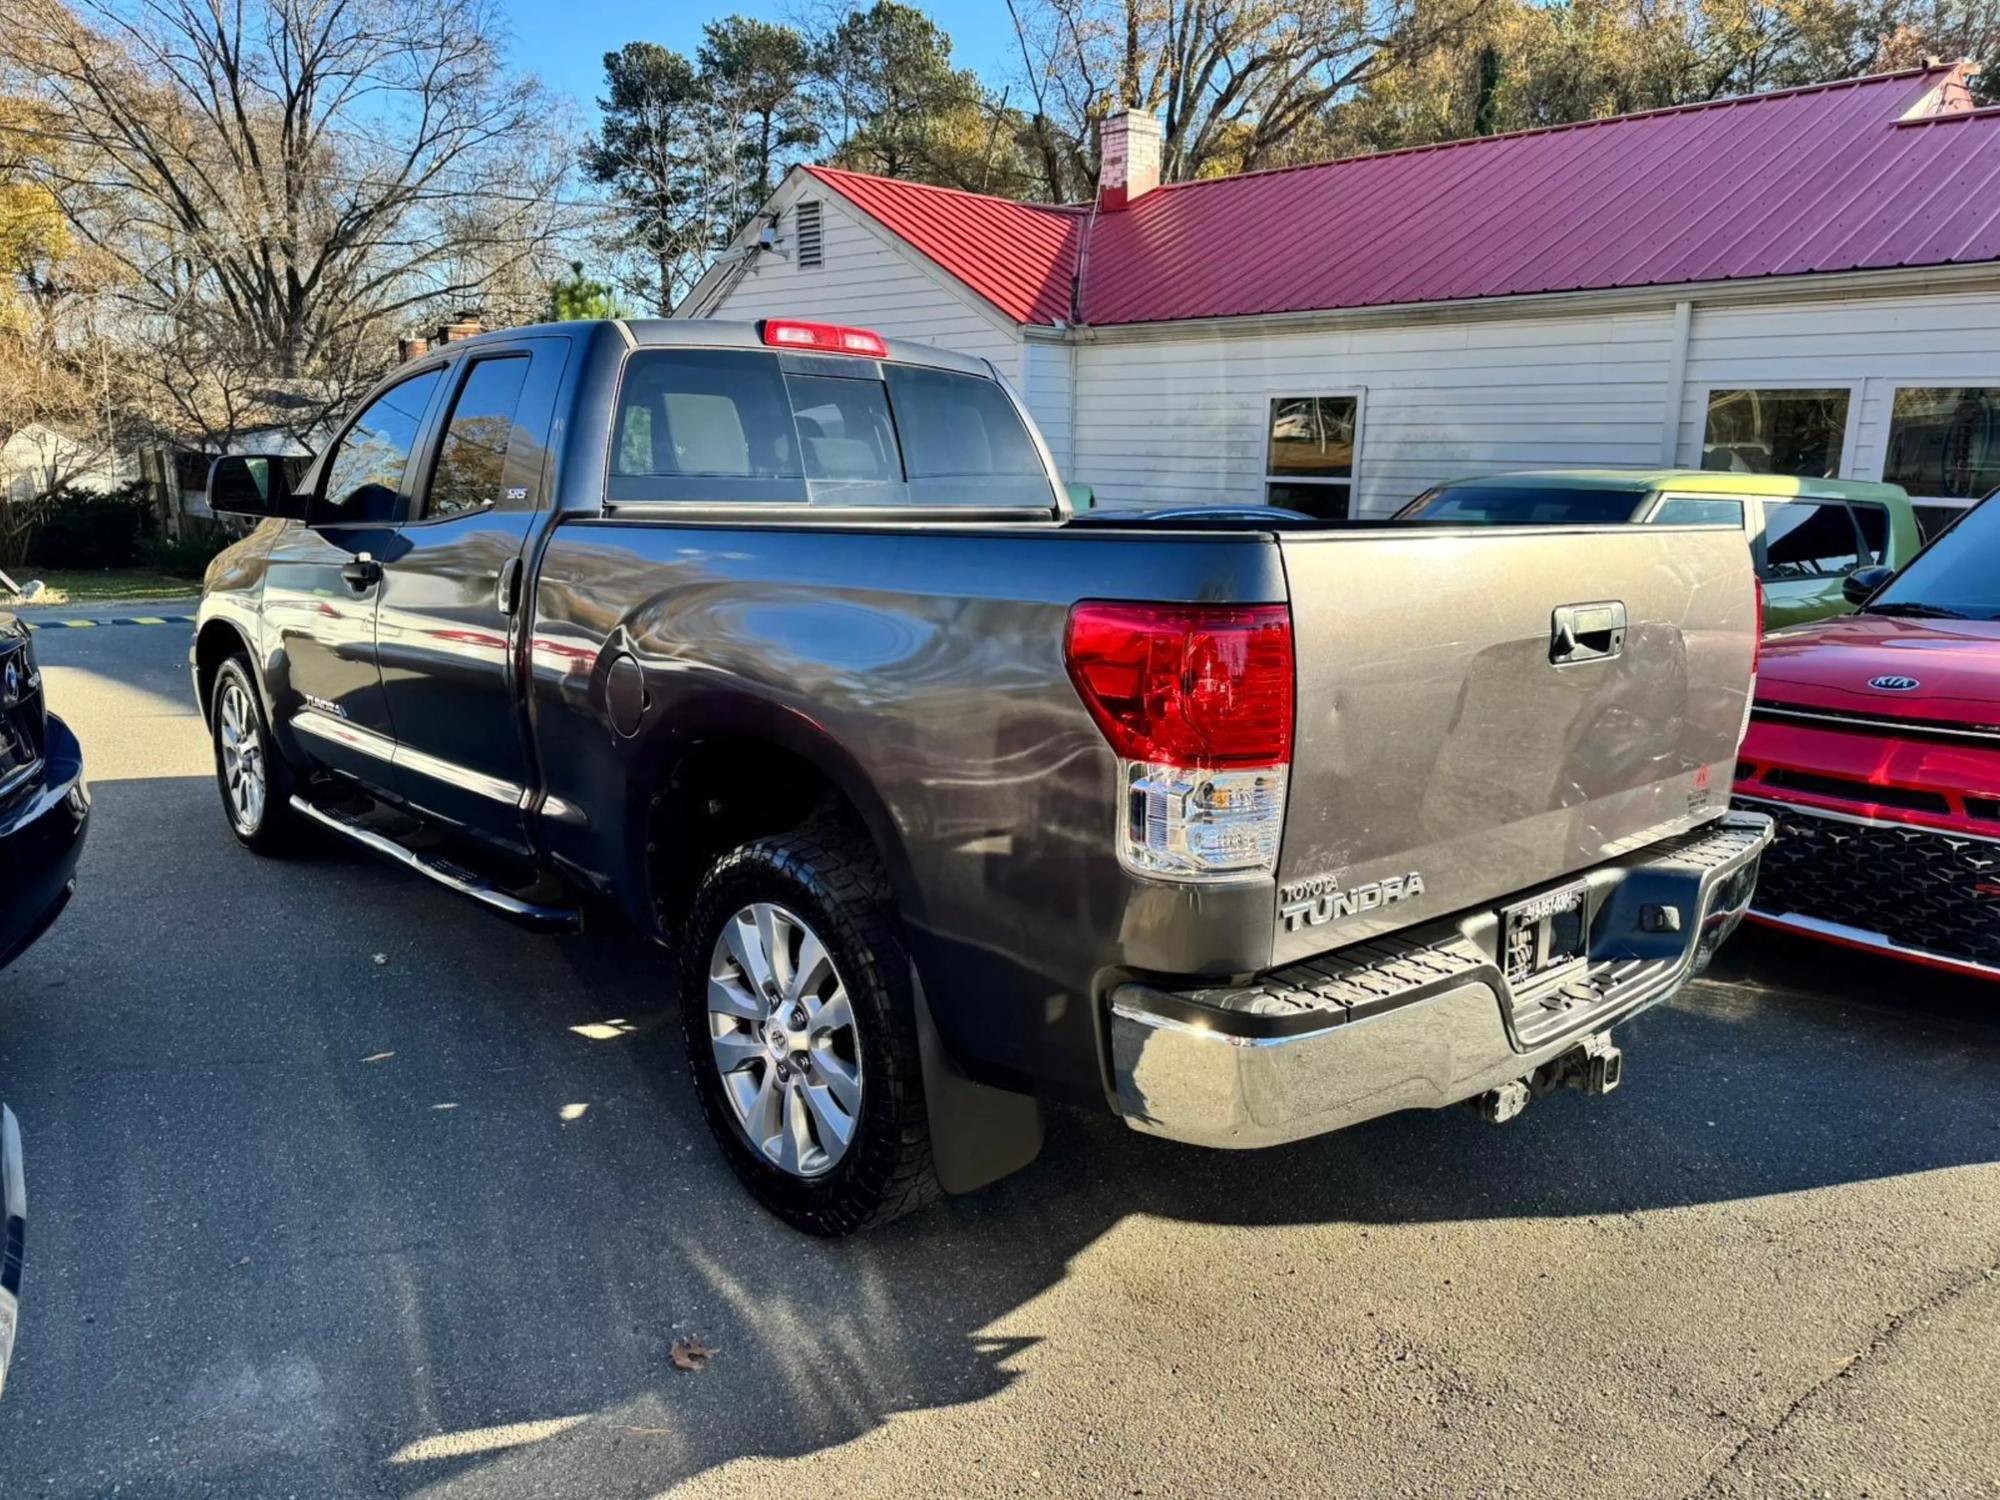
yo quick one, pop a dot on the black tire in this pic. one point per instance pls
(235, 707)
(829, 876)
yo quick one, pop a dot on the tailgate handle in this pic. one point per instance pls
(1587, 632)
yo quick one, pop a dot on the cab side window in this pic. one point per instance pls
(472, 459)
(364, 478)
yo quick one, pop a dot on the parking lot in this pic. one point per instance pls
(339, 1186)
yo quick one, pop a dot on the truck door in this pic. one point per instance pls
(322, 580)
(447, 628)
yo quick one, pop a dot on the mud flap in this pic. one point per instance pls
(979, 1134)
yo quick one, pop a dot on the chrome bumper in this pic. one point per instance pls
(1423, 1021)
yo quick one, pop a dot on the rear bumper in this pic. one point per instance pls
(1426, 1020)
(41, 836)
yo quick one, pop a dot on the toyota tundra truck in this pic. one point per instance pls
(782, 643)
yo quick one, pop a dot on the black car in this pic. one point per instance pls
(44, 805)
(44, 810)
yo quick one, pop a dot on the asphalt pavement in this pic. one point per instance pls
(339, 1186)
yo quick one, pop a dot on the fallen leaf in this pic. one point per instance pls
(690, 1353)
(381, 958)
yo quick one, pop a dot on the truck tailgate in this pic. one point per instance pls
(1437, 738)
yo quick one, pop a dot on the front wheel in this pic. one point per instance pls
(798, 1015)
(248, 772)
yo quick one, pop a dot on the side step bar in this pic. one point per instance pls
(444, 872)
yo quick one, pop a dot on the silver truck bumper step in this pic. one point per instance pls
(1421, 1022)
(446, 872)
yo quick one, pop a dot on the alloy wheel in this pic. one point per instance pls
(783, 1034)
(242, 745)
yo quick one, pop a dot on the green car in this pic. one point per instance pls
(1805, 534)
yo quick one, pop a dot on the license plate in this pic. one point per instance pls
(1545, 935)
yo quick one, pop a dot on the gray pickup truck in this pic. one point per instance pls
(782, 642)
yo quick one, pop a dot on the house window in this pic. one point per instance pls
(806, 231)
(1944, 441)
(1781, 431)
(1311, 464)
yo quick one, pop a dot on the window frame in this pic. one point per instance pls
(1704, 393)
(1273, 395)
(1943, 502)
(419, 455)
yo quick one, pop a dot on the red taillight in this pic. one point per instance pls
(1757, 651)
(1206, 687)
(827, 338)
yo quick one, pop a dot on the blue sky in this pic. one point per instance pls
(564, 41)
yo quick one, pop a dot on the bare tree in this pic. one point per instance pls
(283, 184)
(1235, 81)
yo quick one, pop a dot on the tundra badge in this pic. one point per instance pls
(1310, 903)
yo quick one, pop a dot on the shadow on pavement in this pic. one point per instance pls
(340, 1185)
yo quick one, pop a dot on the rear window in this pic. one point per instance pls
(724, 426)
(1519, 505)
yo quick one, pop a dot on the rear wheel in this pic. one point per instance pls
(248, 772)
(801, 1039)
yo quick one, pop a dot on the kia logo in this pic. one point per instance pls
(1894, 684)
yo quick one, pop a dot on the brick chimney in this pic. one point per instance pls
(466, 325)
(409, 349)
(1129, 147)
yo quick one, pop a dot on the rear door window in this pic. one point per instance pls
(1809, 539)
(1693, 510)
(472, 459)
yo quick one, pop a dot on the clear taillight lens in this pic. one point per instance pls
(1196, 701)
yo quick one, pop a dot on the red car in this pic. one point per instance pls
(1875, 742)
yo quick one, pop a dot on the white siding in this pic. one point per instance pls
(1872, 344)
(1048, 386)
(862, 280)
(1184, 421)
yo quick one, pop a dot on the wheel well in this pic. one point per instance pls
(722, 793)
(217, 642)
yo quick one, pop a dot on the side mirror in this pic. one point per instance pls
(1858, 587)
(251, 485)
(1082, 498)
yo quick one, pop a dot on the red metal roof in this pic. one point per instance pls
(1818, 179)
(1018, 256)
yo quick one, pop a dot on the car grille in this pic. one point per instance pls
(1924, 889)
(20, 713)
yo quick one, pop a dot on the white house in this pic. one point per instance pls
(1805, 280)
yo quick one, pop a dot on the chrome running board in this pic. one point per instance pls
(444, 871)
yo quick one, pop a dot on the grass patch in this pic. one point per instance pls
(104, 586)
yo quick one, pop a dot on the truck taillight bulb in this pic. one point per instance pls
(1196, 702)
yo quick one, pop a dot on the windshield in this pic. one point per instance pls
(1519, 505)
(1959, 576)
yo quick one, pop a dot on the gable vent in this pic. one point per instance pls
(805, 230)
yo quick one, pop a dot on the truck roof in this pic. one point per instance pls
(703, 333)
(1690, 481)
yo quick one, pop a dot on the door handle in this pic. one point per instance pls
(507, 594)
(363, 573)
(1587, 632)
